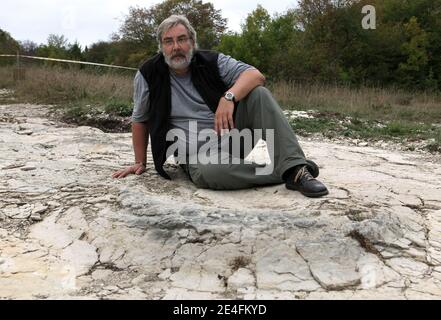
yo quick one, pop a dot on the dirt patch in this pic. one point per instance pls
(107, 123)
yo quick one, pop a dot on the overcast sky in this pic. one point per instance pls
(89, 21)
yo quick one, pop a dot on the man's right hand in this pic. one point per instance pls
(137, 169)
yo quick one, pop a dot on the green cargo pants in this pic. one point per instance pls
(258, 110)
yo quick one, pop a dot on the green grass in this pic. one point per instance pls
(376, 104)
(119, 107)
(364, 113)
(337, 125)
(55, 85)
(84, 97)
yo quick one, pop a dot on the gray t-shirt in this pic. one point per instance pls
(186, 103)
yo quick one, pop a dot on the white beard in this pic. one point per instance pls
(181, 63)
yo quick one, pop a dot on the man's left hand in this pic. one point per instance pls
(224, 116)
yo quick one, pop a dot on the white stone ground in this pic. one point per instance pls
(68, 230)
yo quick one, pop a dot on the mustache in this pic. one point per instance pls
(179, 54)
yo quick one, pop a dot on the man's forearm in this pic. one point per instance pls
(246, 82)
(140, 140)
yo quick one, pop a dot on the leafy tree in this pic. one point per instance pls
(332, 36)
(74, 51)
(140, 24)
(426, 32)
(57, 41)
(138, 27)
(312, 10)
(415, 69)
(206, 20)
(98, 52)
(323, 40)
(232, 43)
(288, 59)
(56, 47)
(28, 48)
(254, 45)
(256, 42)
(8, 45)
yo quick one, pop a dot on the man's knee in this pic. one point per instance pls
(259, 92)
(261, 97)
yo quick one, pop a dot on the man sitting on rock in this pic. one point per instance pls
(188, 91)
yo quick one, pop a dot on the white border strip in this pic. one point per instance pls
(70, 61)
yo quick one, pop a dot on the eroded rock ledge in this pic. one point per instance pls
(68, 230)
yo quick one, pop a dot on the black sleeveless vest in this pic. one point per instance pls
(207, 81)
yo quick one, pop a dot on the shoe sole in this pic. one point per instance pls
(310, 195)
(315, 195)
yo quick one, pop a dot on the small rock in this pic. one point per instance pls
(22, 212)
(138, 280)
(301, 295)
(53, 203)
(156, 290)
(27, 168)
(247, 290)
(241, 278)
(13, 166)
(183, 233)
(35, 217)
(111, 289)
(24, 132)
(165, 275)
(101, 274)
(106, 198)
(39, 208)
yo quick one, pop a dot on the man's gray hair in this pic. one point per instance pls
(171, 22)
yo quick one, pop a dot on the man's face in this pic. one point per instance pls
(177, 47)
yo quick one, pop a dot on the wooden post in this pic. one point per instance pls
(19, 73)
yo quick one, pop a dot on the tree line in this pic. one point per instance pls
(316, 41)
